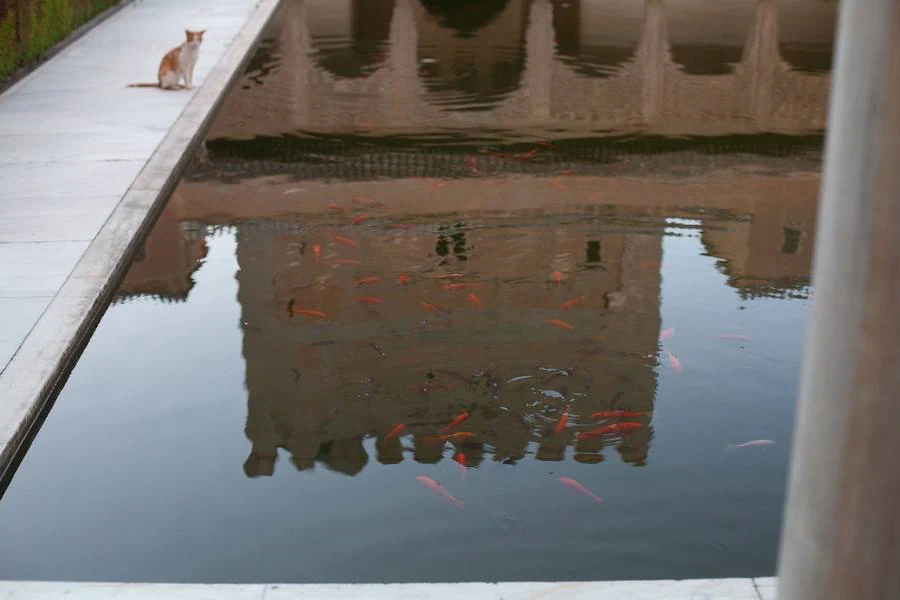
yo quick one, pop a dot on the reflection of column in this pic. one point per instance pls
(761, 59)
(653, 55)
(539, 59)
(403, 62)
(298, 59)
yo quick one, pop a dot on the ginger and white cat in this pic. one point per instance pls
(178, 64)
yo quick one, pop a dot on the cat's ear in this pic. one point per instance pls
(201, 32)
(187, 33)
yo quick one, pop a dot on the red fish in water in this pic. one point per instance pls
(572, 303)
(459, 419)
(344, 240)
(666, 334)
(370, 300)
(618, 414)
(475, 300)
(556, 276)
(308, 312)
(345, 261)
(317, 250)
(360, 219)
(572, 484)
(561, 324)
(460, 459)
(675, 363)
(450, 276)
(614, 428)
(334, 207)
(456, 438)
(367, 280)
(429, 306)
(438, 488)
(402, 278)
(460, 286)
(561, 425)
(397, 430)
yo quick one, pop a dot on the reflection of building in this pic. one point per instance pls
(651, 66)
(164, 266)
(317, 388)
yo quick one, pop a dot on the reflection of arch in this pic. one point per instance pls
(709, 38)
(349, 37)
(465, 17)
(807, 58)
(474, 71)
(597, 39)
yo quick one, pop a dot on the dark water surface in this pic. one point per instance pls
(414, 210)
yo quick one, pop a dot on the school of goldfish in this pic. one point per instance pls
(582, 427)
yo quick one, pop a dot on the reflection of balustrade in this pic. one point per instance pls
(649, 92)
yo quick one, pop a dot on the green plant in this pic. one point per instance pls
(9, 55)
(50, 22)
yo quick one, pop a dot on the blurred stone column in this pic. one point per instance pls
(841, 533)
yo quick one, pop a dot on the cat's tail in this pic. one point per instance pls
(143, 85)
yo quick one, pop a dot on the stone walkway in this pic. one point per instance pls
(85, 163)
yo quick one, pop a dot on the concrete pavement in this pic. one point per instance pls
(85, 165)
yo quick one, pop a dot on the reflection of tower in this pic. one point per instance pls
(538, 76)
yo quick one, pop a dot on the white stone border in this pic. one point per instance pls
(688, 589)
(44, 359)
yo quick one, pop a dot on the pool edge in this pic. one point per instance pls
(747, 588)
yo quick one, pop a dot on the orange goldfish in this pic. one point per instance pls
(450, 276)
(317, 250)
(571, 303)
(396, 431)
(456, 438)
(344, 240)
(345, 261)
(571, 483)
(561, 324)
(666, 334)
(334, 207)
(438, 488)
(402, 278)
(368, 300)
(618, 414)
(430, 306)
(308, 312)
(360, 219)
(460, 459)
(459, 419)
(474, 299)
(367, 280)
(561, 426)
(460, 286)
(556, 276)
(614, 428)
